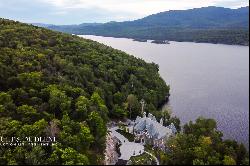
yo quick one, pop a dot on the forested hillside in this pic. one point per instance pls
(208, 24)
(54, 84)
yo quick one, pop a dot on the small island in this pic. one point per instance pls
(160, 42)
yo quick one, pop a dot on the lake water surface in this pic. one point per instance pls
(209, 80)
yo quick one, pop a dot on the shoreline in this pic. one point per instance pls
(137, 40)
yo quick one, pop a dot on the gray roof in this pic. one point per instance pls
(154, 129)
(173, 128)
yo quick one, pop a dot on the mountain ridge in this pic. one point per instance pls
(207, 24)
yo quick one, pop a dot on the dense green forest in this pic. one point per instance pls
(201, 143)
(207, 25)
(58, 85)
(54, 84)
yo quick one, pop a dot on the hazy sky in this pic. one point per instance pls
(79, 11)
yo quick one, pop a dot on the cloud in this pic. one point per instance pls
(78, 11)
(231, 3)
(140, 8)
(144, 5)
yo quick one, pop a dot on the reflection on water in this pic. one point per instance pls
(206, 80)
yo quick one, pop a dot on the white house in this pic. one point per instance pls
(148, 130)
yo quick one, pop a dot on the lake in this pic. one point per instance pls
(208, 80)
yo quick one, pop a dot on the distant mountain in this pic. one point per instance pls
(72, 28)
(207, 24)
(204, 18)
(42, 25)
